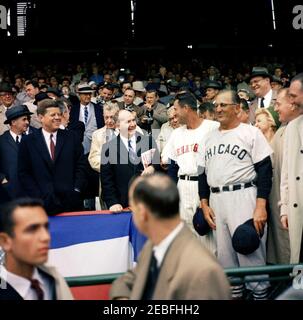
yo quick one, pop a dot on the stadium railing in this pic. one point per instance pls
(280, 276)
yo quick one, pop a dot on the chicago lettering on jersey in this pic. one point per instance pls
(187, 148)
(234, 150)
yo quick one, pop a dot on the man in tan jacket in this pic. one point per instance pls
(292, 175)
(173, 264)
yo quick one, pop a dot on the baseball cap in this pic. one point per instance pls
(245, 239)
(199, 223)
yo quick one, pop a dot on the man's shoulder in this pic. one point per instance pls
(99, 132)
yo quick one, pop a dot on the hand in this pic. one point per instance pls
(284, 221)
(4, 181)
(148, 171)
(260, 218)
(148, 107)
(116, 208)
(209, 216)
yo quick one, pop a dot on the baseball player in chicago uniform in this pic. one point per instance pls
(182, 151)
(236, 183)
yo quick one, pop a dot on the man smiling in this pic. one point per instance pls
(51, 164)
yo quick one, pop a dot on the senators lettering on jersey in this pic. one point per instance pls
(187, 148)
(235, 150)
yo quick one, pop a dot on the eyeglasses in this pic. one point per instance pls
(255, 81)
(7, 94)
(224, 105)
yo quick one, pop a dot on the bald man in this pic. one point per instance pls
(128, 155)
(172, 265)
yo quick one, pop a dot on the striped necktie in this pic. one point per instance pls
(85, 114)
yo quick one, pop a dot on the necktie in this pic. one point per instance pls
(262, 103)
(17, 140)
(85, 114)
(39, 292)
(152, 278)
(52, 147)
(131, 152)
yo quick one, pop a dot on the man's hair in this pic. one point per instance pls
(34, 83)
(7, 211)
(234, 96)
(206, 106)
(187, 98)
(298, 77)
(45, 104)
(159, 193)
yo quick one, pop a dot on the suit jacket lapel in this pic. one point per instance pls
(10, 140)
(42, 148)
(59, 143)
(141, 278)
(170, 262)
(122, 152)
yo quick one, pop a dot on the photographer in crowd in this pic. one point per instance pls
(155, 113)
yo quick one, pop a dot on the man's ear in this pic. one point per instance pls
(238, 109)
(142, 212)
(5, 241)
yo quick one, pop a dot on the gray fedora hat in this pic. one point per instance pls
(16, 112)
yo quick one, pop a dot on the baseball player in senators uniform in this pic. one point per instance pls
(237, 158)
(183, 149)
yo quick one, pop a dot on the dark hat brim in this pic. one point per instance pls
(16, 116)
(259, 74)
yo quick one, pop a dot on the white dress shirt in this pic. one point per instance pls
(15, 136)
(162, 247)
(132, 142)
(82, 116)
(267, 99)
(23, 285)
(47, 139)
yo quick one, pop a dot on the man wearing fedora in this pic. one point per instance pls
(7, 100)
(140, 92)
(89, 113)
(266, 97)
(18, 119)
(212, 89)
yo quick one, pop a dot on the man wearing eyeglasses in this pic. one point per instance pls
(236, 184)
(265, 96)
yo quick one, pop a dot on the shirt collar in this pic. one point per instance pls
(132, 141)
(15, 135)
(163, 246)
(267, 98)
(47, 134)
(21, 284)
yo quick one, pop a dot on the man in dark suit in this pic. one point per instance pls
(265, 97)
(25, 239)
(18, 118)
(89, 113)
(51, 164)
(173, 265)
(121, 159)
(128, 103)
